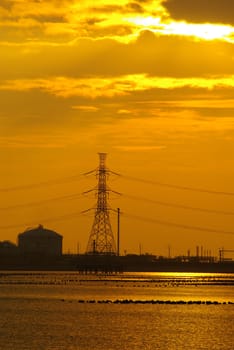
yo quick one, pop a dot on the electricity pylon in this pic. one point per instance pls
(101, 239)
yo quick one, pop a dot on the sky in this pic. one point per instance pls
(151, 84)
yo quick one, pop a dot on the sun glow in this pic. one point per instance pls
(204, 31)
(147, 22)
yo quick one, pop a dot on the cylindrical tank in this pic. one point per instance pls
(40, 241)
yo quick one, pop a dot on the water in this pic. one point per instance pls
(68, 311)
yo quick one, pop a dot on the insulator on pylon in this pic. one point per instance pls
(101, 239)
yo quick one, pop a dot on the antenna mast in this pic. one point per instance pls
(101, 239)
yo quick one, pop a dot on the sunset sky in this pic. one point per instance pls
(151, 83)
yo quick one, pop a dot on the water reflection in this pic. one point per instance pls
(165, 311)
(134, 286)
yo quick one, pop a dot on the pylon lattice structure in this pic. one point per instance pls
(101, 239)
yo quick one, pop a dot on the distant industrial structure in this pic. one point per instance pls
(40, 248)
(40, 241)
(8, 248)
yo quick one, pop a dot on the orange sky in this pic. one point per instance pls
(149, 82)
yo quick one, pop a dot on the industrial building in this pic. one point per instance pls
(40, 241)
(8, 248)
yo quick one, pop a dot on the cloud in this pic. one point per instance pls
(5, 4)
(36, 21)
(32, 110)
(157, 56)
(124, 111)
(82, 104)
(109, 87)
(55, 22)
(86, 108)
(135, 7)
(201, 11)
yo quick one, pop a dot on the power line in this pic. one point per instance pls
(141, 218)
(37, 203)
(79, 176)
(51, 182)
(179, 206)
(178, 187)
(173, 224)
(77, 195)
(65, 217)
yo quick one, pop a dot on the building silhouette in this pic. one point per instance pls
(40, 241)
(8, 248)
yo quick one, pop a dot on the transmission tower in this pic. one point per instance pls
(101, 239)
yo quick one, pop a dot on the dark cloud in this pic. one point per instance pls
(33, 107)
(49, 18)
(6, 4)
(172, 100)
(130, 7)
(135, 7)
(106, 9)
(200, 11)
(184, 93)
(93, 20)
(144, 1)
(94, 31)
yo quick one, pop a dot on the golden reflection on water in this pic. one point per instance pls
(178, 275)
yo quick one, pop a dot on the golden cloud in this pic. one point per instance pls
(57, 21)
(112, 86)
(86, 108)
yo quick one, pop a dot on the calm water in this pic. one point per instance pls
(68, 311)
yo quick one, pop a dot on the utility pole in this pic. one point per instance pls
(169, 251)
(101, 238)
(118, 231)
(78, 248)
(140, 249)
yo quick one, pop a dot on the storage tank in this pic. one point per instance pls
(8, 248)
(40, 241)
